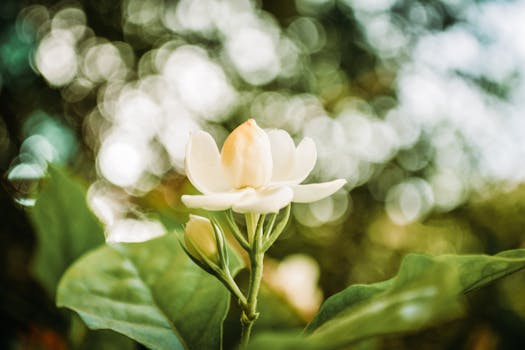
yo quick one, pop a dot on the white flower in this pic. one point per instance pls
(256, 171)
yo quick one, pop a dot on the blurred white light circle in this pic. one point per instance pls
(406, 130)
(327, 133)
(449, 189)
(200, 83)
(322, 212)
(297, 277)
(103, 62)
(423, 97)
(138, 114)
(331, 208)
(108, 96)
(107, 202)
(142, 13)
(253, 52)
(23, 179)
(333, 160)
(385, 35)
(72, 20)
(27, 171)
(371, 5)
(338, 165)
(309, 32)
(409, 201)
(191, 15)
(174, 137)
(313, 7)
(303, 215)
(322, 209)
(121, 161)
(300, 108)
(133, 230)
(290, 59)
(358, 132)
(56, 59)
(267, 106)
(40, 147)
(455, 49)
(384, 143)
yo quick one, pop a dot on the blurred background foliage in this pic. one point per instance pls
(420, 105)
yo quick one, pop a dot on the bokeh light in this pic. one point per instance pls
(418, 105)
(296, 277)
(193, 65)
(56, 58)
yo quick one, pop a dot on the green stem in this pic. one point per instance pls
(273, 235)
(252, 219)
(249, 313)
(236, 231)
(229, 282)
(269, 228)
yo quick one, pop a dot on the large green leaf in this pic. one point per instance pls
(65, 227)
(425, 291)
(151, 292)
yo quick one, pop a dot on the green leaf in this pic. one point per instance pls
(65, 227)
(151, 292)
(426, 290)
(106, 340)
(82, 338)
(422, 294)
(276, 312)
(281, 341)
(471, 271)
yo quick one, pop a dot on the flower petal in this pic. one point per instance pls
(246, 156)
(215, 201)
(305, 158)
(203, 164)
(268, 200)
(283, 155)
(314, 192)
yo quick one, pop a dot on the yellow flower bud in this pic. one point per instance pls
(247, 156)
(199, 239)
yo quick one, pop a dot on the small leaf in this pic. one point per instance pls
(65, 227)
(151, 292)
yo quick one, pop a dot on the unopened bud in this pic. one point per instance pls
(200, 240)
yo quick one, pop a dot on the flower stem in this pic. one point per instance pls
(252, 219)
(228, 281)
(273, 234)
(249, 313)
(236, 231)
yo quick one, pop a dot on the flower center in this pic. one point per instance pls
(246, 156)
